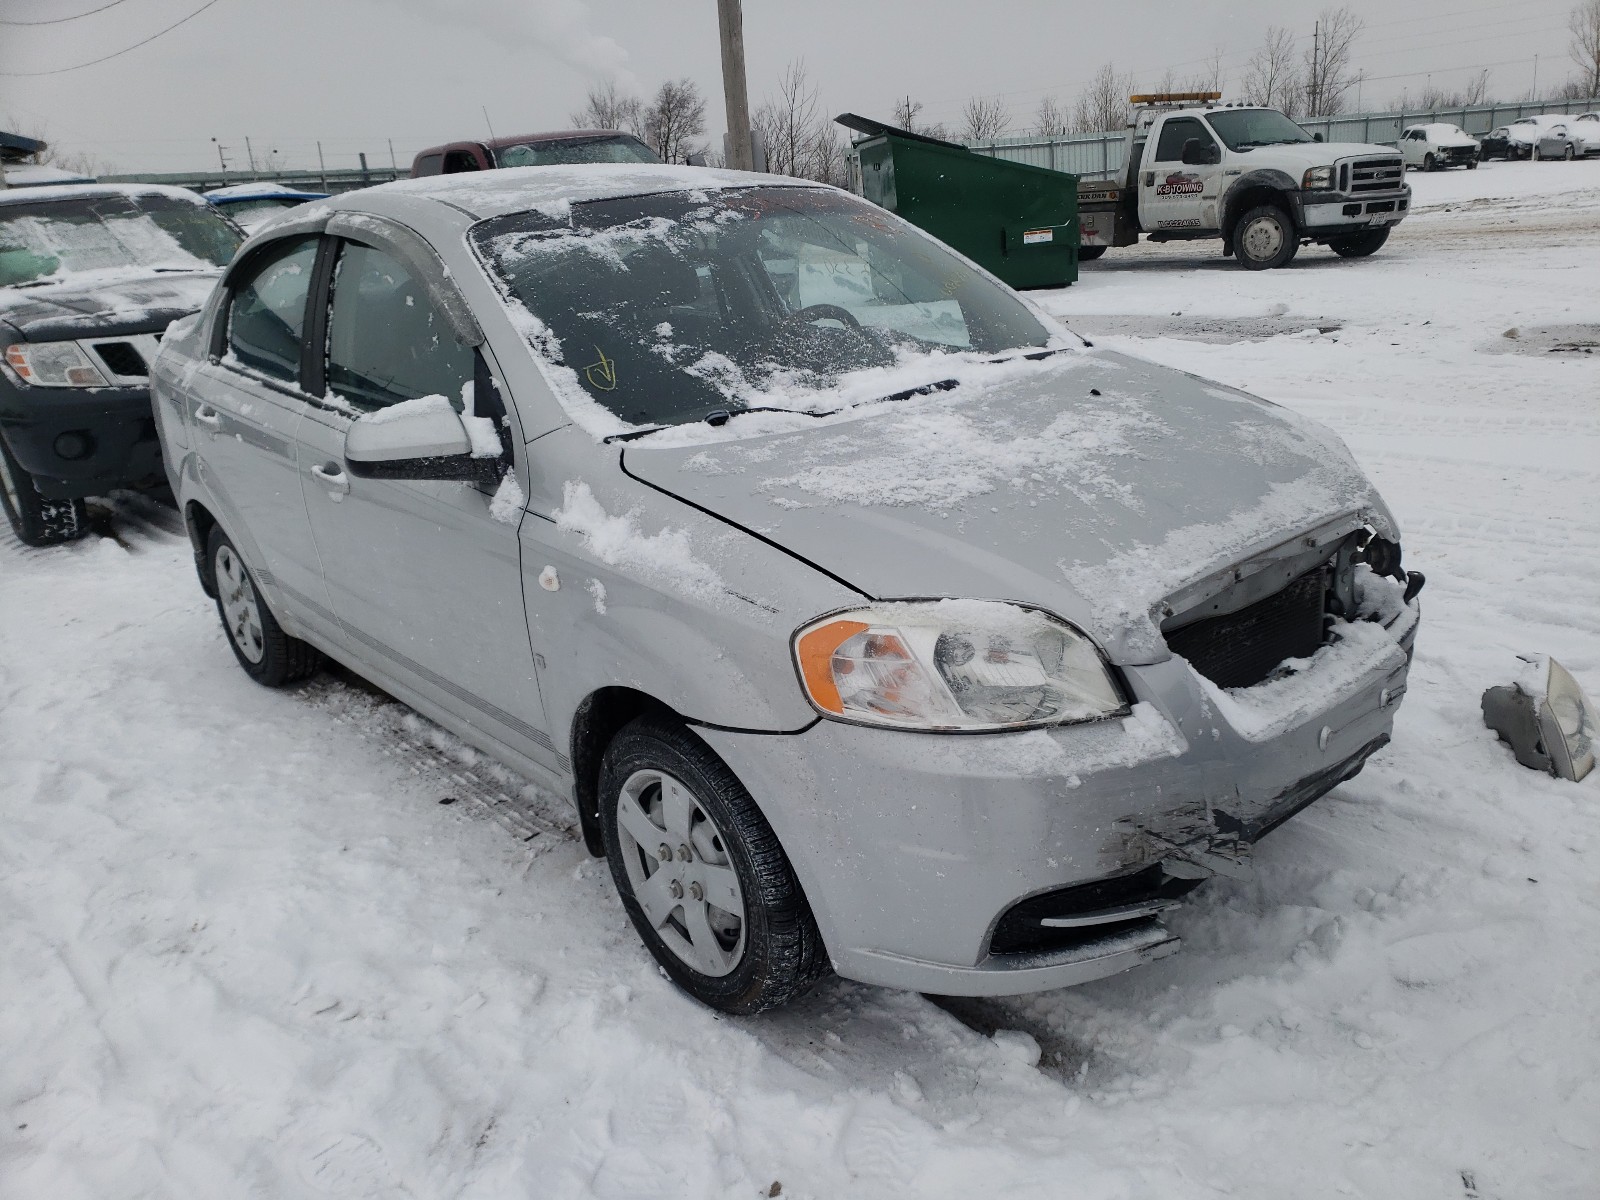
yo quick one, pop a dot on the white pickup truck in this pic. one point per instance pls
(1248, 175)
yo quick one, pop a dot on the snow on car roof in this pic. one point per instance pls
(259, 191)
(518, 189)
(1443, 127)
(35, 195)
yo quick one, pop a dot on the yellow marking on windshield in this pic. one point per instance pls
(602, 375)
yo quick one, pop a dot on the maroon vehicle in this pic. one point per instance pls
(534, 150)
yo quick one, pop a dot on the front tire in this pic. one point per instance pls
(1359, 245)
(1568, 154)
(268, 655)
(1429, 163)
(1265, 238)
(1472, 164)
(1090, 253)
(701, 874)
(35, 519)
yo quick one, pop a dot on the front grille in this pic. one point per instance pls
(122, 359)
(1018, 931)
(1376, 174)
(1240, 649)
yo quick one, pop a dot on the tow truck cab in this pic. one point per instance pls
(1246, 174)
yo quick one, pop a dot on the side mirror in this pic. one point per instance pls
(418, 439)
(1197, 153)
(1317, 137)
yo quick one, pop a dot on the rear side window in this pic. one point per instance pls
(267, 312)
(386, 340)
(457, 161)
(428, 164)
(1174, 134)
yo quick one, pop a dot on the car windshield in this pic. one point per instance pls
(671, 308)
(1246, 128)
(612, 148)
(50, 239)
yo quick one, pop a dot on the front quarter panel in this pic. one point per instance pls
(628, 587)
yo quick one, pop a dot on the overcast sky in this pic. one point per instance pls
(357, 73)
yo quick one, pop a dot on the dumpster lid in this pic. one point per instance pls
(873, 128)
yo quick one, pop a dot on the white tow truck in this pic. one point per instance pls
(1197, 168)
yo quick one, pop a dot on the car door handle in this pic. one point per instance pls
(207, 415)
(332, 477)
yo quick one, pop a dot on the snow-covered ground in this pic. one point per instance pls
(247, 949)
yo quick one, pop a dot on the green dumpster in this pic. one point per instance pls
(1019, 222)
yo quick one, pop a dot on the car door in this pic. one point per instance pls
(1411, 145)
(245, 404)
(424, 577)
(1173, 195)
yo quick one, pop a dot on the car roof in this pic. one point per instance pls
(481, 194)
(75, 191)
(522, 139)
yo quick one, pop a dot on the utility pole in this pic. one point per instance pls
(322, 167)
(394, 166)
(1314, 84)
(1533, 92)
(221, 159)
(730, 26)
(251, 155)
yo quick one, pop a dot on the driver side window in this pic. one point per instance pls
(267, 313)
(386, 340)
(1174, 134)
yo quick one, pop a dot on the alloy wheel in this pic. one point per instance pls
(680, 872)
(241, 611)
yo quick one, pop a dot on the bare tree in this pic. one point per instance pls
(984, 118)
(1584, 24)
(799, 137)
(1328, 74)
(1272, 77)
(1103, 105)
(608, 108)
(1049, 119)
(906, 112)
(675, 120)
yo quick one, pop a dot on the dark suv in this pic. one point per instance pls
(90, 278)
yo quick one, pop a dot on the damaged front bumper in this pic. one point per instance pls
(1012, 863)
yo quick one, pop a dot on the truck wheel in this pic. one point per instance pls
(1090, 253)
(1264, 238)
(701, 874)
(268, 655)
(1429, 163)
(1359, 245)
(1472, 164)
(37, 521)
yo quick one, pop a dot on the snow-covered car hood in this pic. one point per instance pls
(1451, 139)
(1097, 487)
(95, 303)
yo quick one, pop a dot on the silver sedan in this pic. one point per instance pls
(872, 621)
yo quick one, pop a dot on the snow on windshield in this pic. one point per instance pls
(665, 309)
(98, 233)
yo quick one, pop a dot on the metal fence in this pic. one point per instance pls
(1100, 154)
(312, 180)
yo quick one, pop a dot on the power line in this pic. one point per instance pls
(107, 58)
(64, 20)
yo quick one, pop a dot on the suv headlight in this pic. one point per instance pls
(1317, 178)
(953, 665)
(54, 364)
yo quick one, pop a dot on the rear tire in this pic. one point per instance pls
(268, 655)
(679, 828)
(1359, 245)
(35, 519)
(1265, 238)
(1090, 253)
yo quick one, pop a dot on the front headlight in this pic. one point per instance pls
(1317, 178)
(953, 665)
(54, 364)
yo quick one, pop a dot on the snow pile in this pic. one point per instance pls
(508, 503)
(481, 432)
(665, 558)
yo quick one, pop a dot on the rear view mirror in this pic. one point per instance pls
(417, 439)
(1316, 137)
(1198, 153)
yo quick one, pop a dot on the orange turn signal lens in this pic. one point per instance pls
(814, 650)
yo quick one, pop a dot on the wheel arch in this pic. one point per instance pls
(199, 521)
(598, 719)
(1257, 188)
